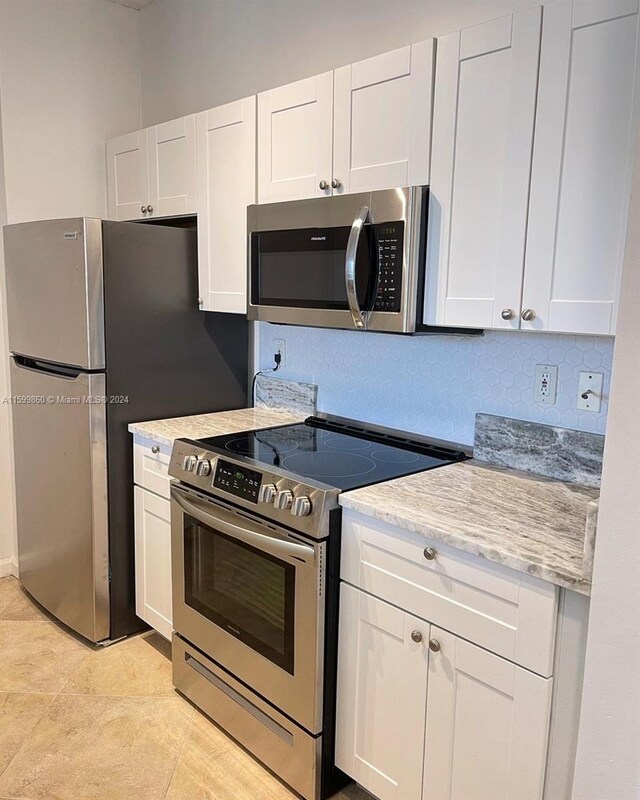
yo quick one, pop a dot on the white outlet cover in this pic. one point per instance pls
(280, 346)
(590, 383)
(546, 384)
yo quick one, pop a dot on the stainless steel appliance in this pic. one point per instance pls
(104, 329)
(354, 261)
(255, 554)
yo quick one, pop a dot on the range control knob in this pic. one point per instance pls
(203, 467)
(189, 463)
(284, 499)
(301, 506)
(267, 492)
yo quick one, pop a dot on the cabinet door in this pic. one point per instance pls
(172, 167)
(581, 173)
(127, 176)
(382, 686)
(295, 135)
(484, 107)
(487, 725)
(153, 560)
(226, 186)
(382, 125)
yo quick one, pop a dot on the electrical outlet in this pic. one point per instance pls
(546, 384)
(590, 391)
(280, 346)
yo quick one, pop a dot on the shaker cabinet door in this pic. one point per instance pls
(484, 108)
(382, 120)
(382, 687)
(226, 186)
(172, 168)
(127, 176)
(581, 172)
(487, 725)
(295, 135)
(153, 560)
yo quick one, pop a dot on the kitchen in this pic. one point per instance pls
(287, 61)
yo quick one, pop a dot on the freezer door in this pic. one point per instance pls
(61, 493)
(55, 291)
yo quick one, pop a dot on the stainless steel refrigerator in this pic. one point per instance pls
(104, 330)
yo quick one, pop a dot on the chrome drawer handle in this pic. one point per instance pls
(155, 449)
(429, 553)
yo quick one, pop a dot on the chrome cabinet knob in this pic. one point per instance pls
(155, 449)
(429, 553)
(434, 645)
(143, 209)
(508, 313)
(335, 184)
(284, 499)
(150, 209)
(203, 467)
(528, 314)
(189, 463)
(416, 636)
(323, 185)
(267, 492)
(301, 506)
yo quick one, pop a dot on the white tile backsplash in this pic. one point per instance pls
(435, 385)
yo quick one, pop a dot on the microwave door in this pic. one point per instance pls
(364, 259)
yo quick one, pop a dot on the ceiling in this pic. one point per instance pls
(137, 4)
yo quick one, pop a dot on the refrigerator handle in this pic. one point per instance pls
(36, 365)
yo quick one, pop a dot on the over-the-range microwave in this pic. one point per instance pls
(354, 261)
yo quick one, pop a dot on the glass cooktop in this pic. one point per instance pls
(339, 455)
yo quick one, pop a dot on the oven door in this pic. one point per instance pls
(250, 596)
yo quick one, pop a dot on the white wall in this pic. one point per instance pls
(197, 54)
(608, 764)
(69, 80)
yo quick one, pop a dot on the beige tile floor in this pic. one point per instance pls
(84, 723)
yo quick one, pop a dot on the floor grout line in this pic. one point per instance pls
(182, 746)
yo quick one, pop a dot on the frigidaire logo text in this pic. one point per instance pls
(318, 238)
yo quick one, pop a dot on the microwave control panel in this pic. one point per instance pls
(240, 481)
(390, 240)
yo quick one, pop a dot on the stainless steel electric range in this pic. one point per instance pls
(255, 549)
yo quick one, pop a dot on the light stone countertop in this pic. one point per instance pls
(165, 431)
(536, 525)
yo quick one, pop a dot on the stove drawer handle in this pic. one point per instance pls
(280, 548)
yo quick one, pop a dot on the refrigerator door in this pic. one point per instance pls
(55, 291)
(61, 492)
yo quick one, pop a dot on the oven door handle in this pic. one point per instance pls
(358, 317)
(256, 538)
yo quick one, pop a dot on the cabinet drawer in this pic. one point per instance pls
(150, 468)
(506, 612)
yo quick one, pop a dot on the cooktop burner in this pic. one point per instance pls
(338, 455)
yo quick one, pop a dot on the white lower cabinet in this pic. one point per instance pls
(153, 560)
(382, 691)
(487, 725)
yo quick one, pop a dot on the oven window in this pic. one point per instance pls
(249, 593)
(305, 268)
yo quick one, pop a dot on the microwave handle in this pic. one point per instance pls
(270, 544)
(359, 319)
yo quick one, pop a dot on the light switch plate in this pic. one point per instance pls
(590, 384)
(546, 384)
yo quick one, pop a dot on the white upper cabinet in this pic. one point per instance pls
(484, 109)
(295, 125)
(226, 139)
(382, 120)
(127, 181)
(487, 725)
(382, 688)
(172, 167)
(581, 165)
(152, 172)
(365, 126)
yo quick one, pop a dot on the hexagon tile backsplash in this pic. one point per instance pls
(435, 385)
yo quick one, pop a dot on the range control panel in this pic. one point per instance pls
(239, 481)
(390, 242)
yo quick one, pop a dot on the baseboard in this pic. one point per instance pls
(8, 566)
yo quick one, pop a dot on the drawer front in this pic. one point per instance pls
(151, 466)
(506, 612)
